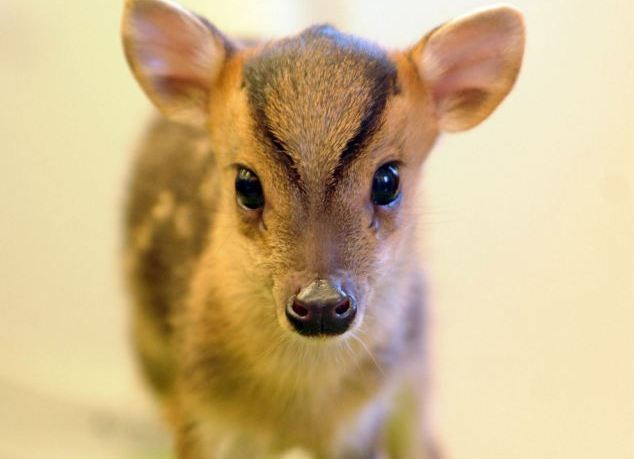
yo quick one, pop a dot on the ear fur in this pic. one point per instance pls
(470, 64)
(174, 55)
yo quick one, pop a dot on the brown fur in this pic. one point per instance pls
(313, 116)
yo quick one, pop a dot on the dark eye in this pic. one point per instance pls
(385, 185)
(248, 189)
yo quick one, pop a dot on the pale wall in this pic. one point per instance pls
(529, 231)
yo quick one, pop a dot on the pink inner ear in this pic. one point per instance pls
(172, 46)
(469, 56)
(476, 74)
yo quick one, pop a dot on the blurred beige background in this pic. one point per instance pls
(528, 230)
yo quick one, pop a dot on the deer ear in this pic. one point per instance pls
(175, 56)
(470, 64)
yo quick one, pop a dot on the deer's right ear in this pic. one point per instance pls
(175, 56)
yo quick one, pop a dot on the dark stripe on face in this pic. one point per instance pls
(277, 146)
(370, 124)
(281, 152)
(296, 86)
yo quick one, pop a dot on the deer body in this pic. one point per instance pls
(271, 227)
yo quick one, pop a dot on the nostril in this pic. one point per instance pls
(343, 308)
(321, 309)
(300, 310)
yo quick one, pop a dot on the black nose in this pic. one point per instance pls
(321, 309)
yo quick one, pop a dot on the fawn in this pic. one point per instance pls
(271, 227)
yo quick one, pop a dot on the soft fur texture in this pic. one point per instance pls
(313, 116)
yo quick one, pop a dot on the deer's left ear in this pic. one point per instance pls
(175, 55)
(470, 64)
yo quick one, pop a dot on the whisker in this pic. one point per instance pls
(351, 353)
(363, 345)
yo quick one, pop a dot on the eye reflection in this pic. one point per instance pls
(385, 185)
(249, 189)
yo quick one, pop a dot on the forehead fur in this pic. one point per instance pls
(317, 96)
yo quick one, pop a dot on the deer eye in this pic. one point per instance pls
(385, 185)
(248, 189)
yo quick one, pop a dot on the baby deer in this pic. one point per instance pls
(271, 227)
